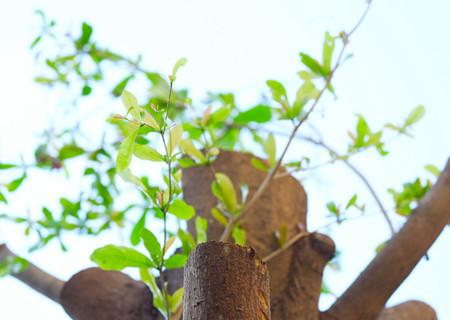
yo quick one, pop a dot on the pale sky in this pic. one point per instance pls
(400, 60)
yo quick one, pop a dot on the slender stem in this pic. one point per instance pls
(363, 179)
(263, 186)
(166, 205)
(288, 244)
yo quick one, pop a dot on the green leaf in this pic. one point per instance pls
(117, 91)
(239, 235)
(270, 150)
(111, 257)
(150, 121)
(86, 90)
(12, 265)
(258, 164)
(220, 115)
(415, 115)
(278, 93)
(181, 62)
(181, 209)
(145, 152)
(187, 146)
(258, 114)
(125, 153)
(15, 184)
(3, 199)
(362, 130)
(175, 135)
(4, 166)
(352, 201)
(86, 32)
(158, 300)
(381, 246)
(327, 52)
(312, 64)
(331, 206)
(135, 236)
(201, 227)
(433, 170)
(175, 300)
(131, 104)
(127, 176)
(282, 235)
(223, 189)
(187, 241)
(152, 245)
(219, 216)
(176, 261)
(70, 151)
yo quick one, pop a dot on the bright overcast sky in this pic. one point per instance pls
(401, 59)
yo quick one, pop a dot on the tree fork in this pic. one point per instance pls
(226, 281)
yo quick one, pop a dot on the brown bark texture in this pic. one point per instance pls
(225, 281)
(107, 295)
(36, 278)
(283, 204)
(410, 310)
(366, 297)
(300, 298)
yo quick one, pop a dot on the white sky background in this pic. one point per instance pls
(400, 60)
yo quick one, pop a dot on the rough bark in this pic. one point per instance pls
(410, 310)
(36, 278)
(107, 295)
(300, 298)
(366, 297)
(226, 281)
(282, 204)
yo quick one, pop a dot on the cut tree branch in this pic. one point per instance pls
(410, 310)
(368, 294)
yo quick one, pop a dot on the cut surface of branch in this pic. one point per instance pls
(107, 295)
(226, 281)
(410, 310)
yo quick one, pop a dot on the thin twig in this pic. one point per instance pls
(362, 177)
(274, 170)
(288, 244)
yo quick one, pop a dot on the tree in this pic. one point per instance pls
(249, 214)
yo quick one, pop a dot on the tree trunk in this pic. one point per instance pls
(225, 281)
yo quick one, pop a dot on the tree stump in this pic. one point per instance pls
(225, 281)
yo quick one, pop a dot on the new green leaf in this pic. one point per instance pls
(111, 257)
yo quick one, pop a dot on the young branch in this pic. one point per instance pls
(368, 294)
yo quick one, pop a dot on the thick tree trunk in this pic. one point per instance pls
(226, 281)
(282, 205)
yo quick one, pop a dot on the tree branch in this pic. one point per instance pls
(36, 278)
(410, 310)
(368, 294)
